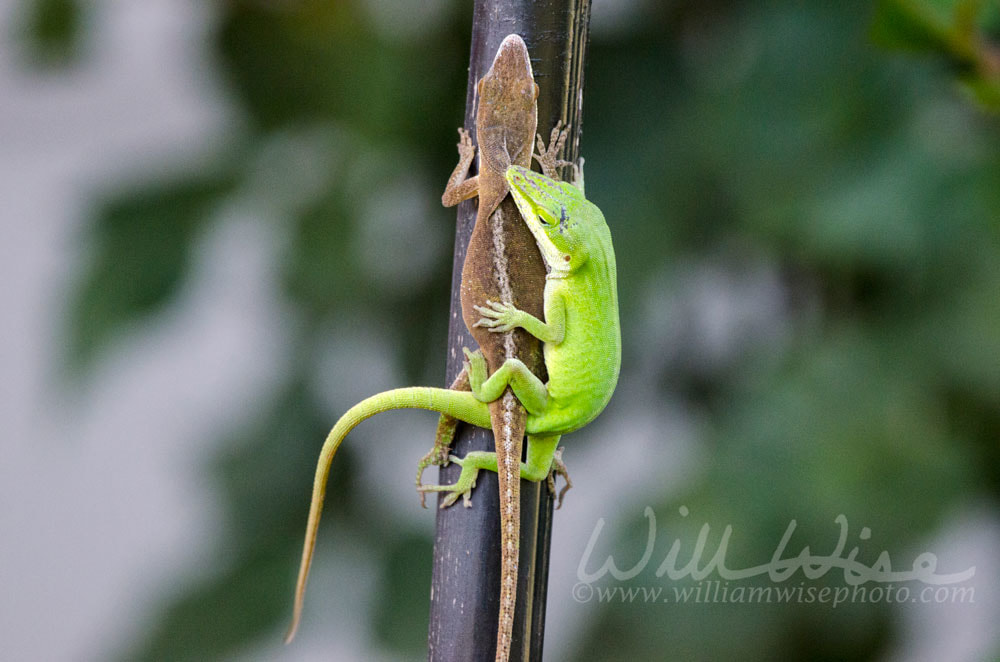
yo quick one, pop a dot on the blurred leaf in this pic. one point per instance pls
(278, 450)
(316, 60)
(139, 247)
(911, 25)
(320, 270)
(955, 31)
(54, 31)
(985, 92)
(219, 618)
(968, 13)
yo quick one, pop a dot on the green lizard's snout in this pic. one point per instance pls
(536, 196)
(542, 203)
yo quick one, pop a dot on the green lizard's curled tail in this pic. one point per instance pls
(458, 404)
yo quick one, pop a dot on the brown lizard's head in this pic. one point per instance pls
(507, 116)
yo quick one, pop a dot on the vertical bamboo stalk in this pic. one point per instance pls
(465, 588)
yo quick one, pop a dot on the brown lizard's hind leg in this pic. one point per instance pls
(548, 158)
(443, 436)
(558, 469)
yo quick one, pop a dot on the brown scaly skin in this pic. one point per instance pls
(502, 264)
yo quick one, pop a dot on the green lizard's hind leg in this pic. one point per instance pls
(539, 457)
(471, 464)
(528, 388)
(537, 465)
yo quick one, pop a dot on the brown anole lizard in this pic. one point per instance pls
(502, 264)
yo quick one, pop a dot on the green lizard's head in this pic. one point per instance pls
(569, 229)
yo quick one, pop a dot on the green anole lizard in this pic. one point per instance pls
(581, 345)
(581, 350)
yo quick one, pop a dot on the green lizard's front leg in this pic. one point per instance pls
(538, 463)
(502, 317)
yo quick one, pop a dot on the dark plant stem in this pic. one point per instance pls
(465, 589)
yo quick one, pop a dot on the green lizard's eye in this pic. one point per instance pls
(547, 218)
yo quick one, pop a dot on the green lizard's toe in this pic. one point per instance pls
(453, 497)
(476, 367)
(461, 488)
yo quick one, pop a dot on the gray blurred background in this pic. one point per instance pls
(221, 228)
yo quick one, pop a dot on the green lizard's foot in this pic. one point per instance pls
(558, 468)
(475, 365)
(466, 481)
(548, 157)
(499, 317)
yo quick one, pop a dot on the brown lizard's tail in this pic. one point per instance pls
(508, 419)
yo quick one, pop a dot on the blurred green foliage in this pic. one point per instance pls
(955, 31)
(138, 252)
(716, 133)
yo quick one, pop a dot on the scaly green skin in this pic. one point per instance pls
(581, 343)
(581, 334)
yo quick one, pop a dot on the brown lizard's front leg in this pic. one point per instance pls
(459, 186)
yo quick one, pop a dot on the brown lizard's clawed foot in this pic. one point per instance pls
(462, 488)
(548, 158)
(437, 456)
(466, 150)
(558, 468)
(445, 434)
